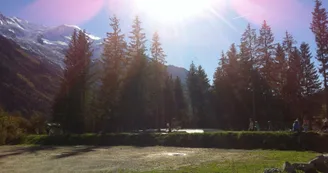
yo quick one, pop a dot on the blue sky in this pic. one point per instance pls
(198, 37)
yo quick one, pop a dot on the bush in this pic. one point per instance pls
(38, 122)
(225, 140)
(9, 128)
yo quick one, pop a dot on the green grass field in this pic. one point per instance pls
(142, 159)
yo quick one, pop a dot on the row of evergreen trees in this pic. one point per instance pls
(132, 92)
(259, 79)
(265, 81)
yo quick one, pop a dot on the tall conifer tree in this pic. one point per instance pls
(319, 27)
(136, 88)
(70, 104)
(114, 62)
(157, 78)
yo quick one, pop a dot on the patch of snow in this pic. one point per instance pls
(73, 26)
(68, 37)
(62, 43)
(17, 19)
(93, 37)
(54, 42)
(17, 25)
(47, 41)
(11, 30)
(23, 47)
(1, 22)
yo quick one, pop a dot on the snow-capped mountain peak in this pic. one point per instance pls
(71, 26)
(44, 41)
(50, 43)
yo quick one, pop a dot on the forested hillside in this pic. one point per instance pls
(27, 82)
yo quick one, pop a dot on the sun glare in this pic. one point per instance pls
(173, 10)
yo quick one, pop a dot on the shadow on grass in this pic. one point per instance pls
(76, 151)
(24, 150)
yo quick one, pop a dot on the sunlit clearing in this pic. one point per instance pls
(173, 10)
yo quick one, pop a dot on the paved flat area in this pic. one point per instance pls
(28, 159)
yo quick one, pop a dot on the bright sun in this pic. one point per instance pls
(173, 10)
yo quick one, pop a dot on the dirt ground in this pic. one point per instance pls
(14, 159)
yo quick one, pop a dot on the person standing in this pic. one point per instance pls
(269, 126)
(257, 126)
(251, 125)
(296, 126)
(305, 125)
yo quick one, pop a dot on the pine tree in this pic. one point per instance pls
(181, 105)
(114, 61)
(293, 86)
(192, 80)
(198, 88)
(70, 103)
(249, 47)
(288, 44)
(170, 102)
(310, 80)
(204, 113)
(221, 88)
(280, 70)
(136, 88)
(266, 51)
(319, 27)
(233, 65)
(137, 40)
(249, 64)
(220, 72)
(233, 70)
(157, 51)
(310, 84)
(157, 78)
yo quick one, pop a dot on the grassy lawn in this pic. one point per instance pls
(142, 159)
(252, 162)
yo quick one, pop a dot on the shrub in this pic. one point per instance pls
(225, 140)
(9, 128)
(37, 122)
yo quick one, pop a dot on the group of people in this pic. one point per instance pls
(254, 125)
(306, 125)
(297, 126)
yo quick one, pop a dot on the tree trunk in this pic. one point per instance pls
(326, 90)
(253, 97)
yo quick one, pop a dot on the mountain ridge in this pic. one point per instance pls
(51, 42)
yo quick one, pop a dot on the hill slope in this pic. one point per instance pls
(27, 82)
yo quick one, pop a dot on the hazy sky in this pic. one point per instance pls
(197, 33)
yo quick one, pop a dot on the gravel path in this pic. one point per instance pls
(22, 159)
